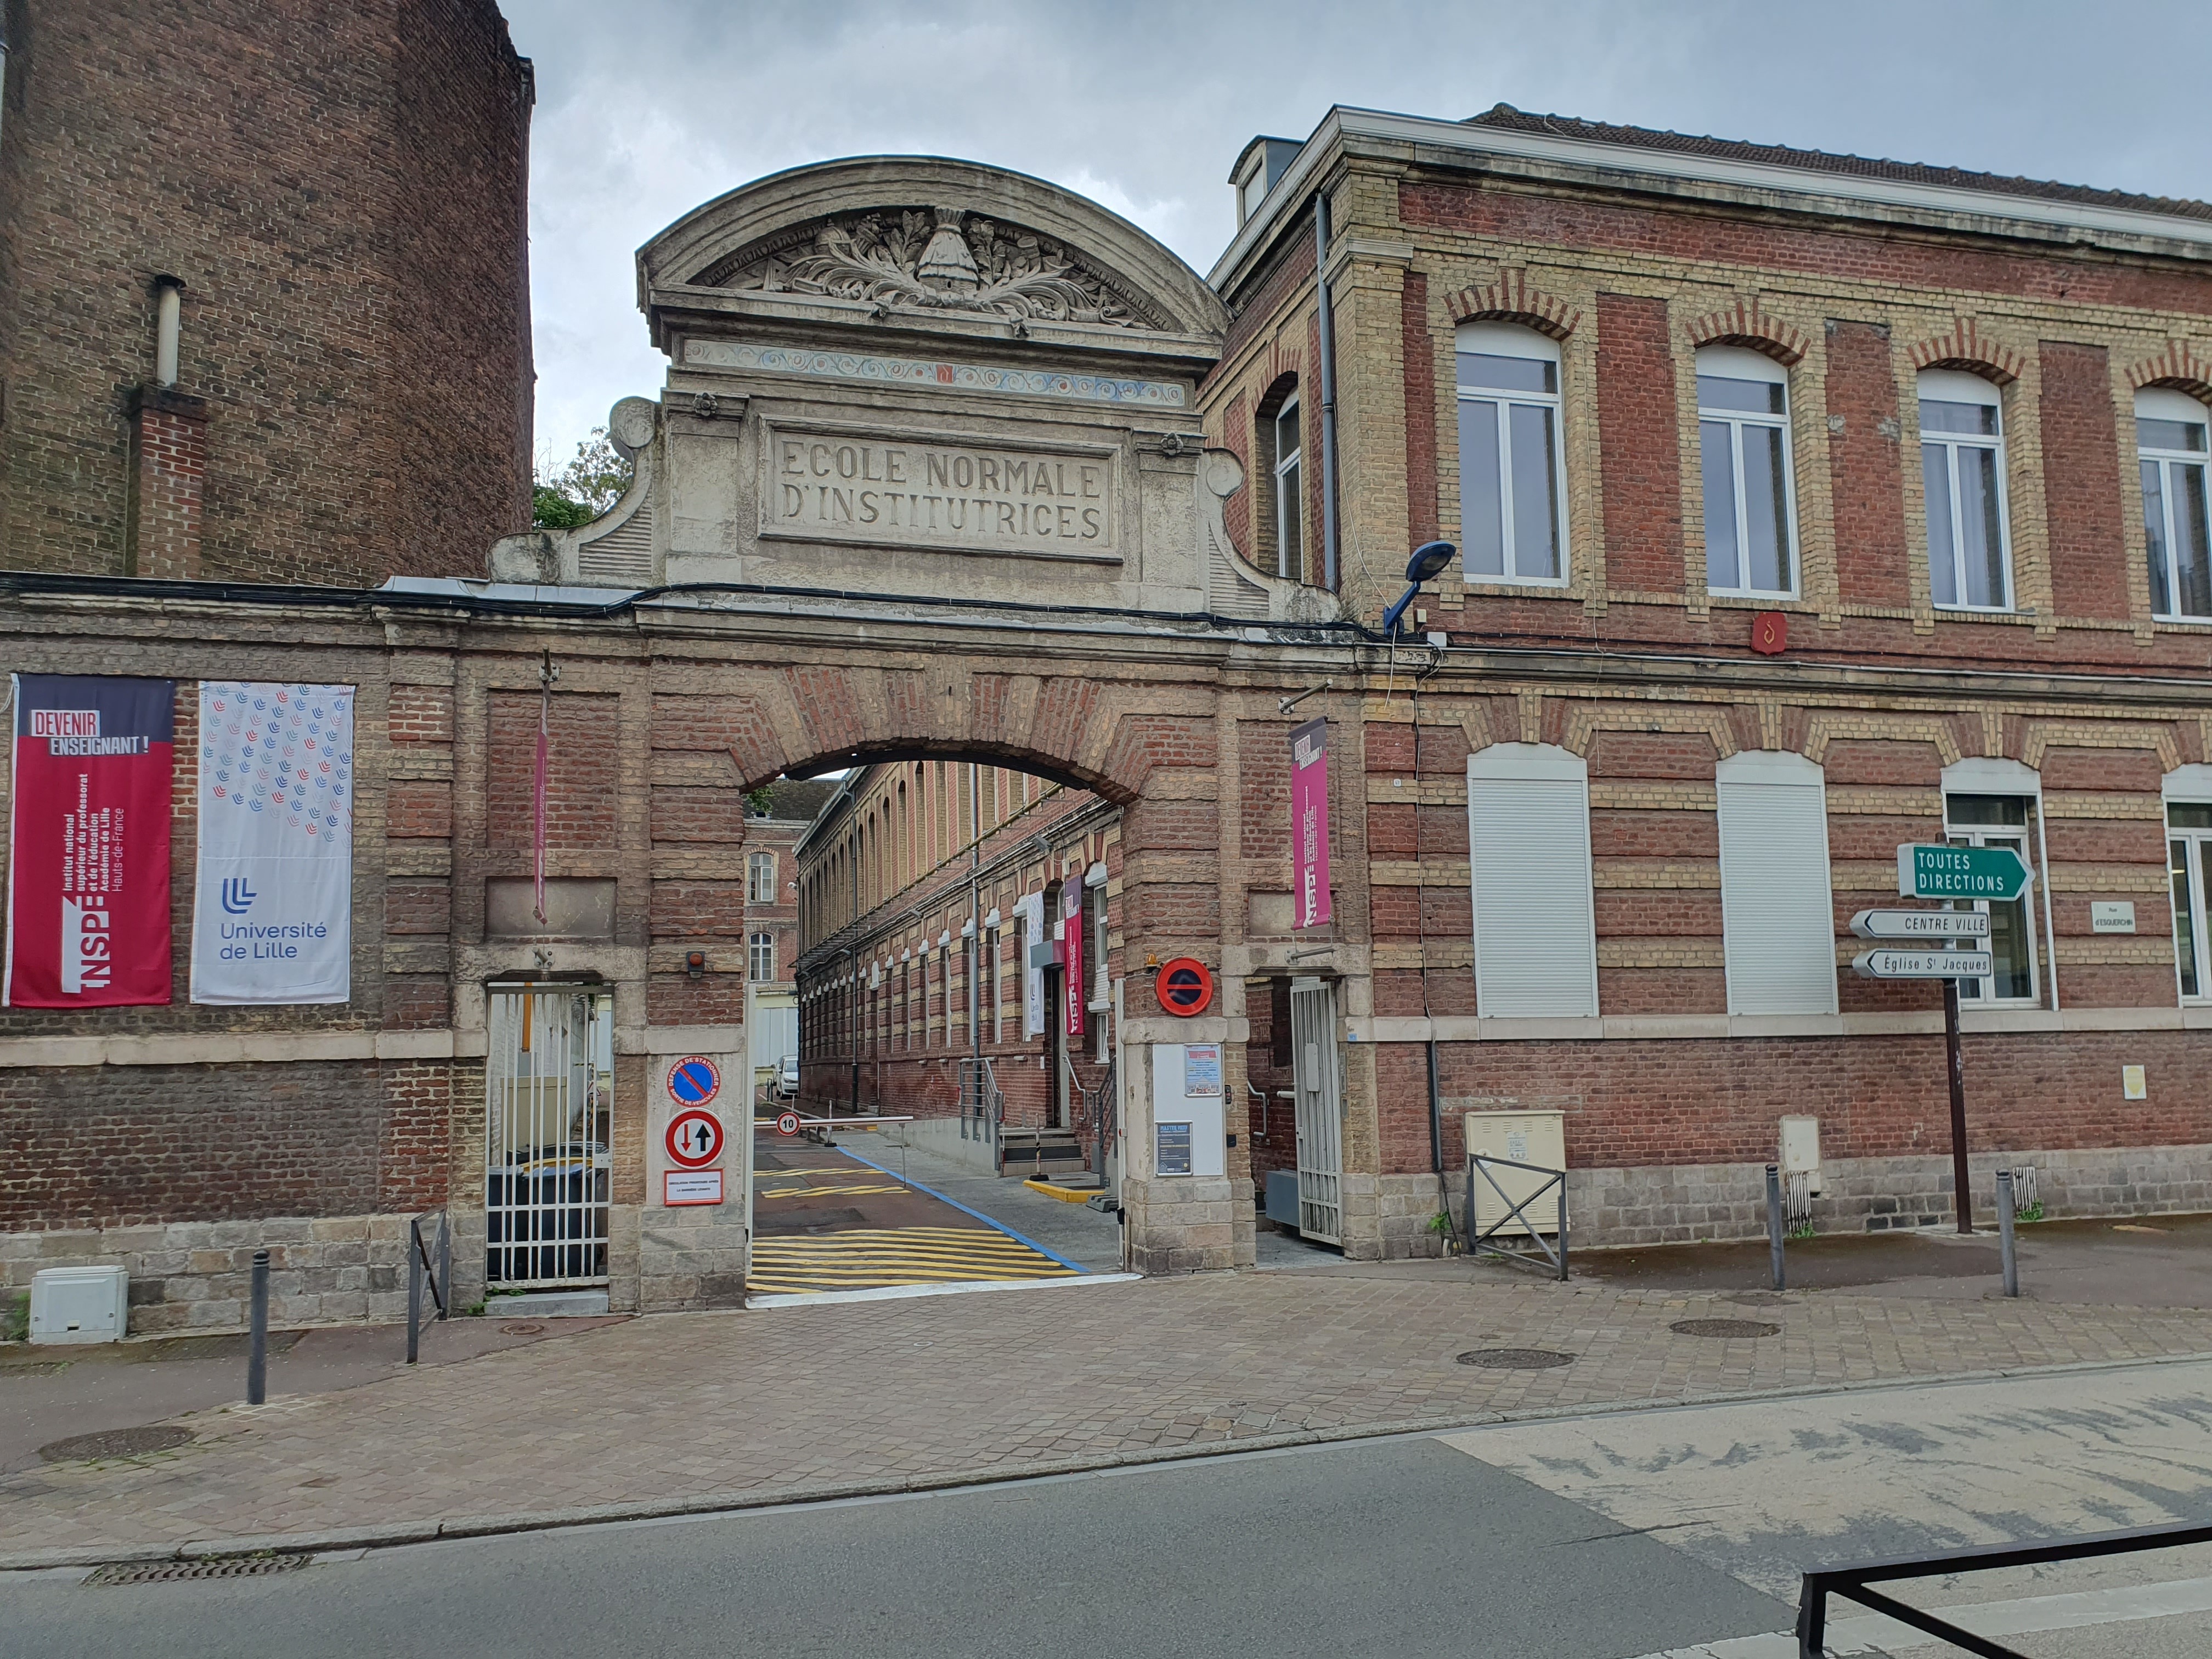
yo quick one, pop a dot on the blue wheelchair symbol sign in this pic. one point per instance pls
(694, 1082)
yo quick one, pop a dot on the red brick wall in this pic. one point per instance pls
(2081, 481)
(582, 778)
(1865, 466)
(131, 1144)
(1639, 437)
(340, 189)
(1868, 256)
(168, 482)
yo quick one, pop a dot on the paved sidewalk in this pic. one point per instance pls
(682, 1410)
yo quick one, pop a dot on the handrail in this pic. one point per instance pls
(1850, 1582)
(1261, 1095)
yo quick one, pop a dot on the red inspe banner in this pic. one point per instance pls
(1070, 954)
(88, 876)
(1310, 822)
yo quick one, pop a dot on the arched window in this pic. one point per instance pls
(1282, 449)
(1962, 467)
(1512, 470)
(1751, 503)
(2170, 443)
(760, 956)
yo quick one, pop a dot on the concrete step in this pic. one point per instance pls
(547, 1305)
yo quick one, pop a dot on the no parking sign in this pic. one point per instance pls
(694, 1081)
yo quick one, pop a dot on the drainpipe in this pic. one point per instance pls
(1328, 561)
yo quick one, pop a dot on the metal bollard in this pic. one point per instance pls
(414, 1287)
(2004, 1233)
(1774, 1220)
(257, 1350)
(445, 1264)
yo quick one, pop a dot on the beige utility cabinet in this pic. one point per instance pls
(1539, 1138)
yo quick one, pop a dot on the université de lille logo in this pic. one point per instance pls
(278, 752)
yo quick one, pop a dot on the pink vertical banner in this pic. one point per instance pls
(1310, 822)
(1070, 947)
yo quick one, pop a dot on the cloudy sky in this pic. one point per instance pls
(647, 107)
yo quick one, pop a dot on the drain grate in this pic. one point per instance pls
(522, 1328)
(1515, 1359)
(228, 1567)
(114, 1443)
(1724, 1328)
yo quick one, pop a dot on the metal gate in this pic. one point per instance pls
(549, 1077)
(1317, 1075)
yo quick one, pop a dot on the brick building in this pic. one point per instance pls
(954, 469)
(927, 891)
(1716, 642)
(777, 818)
(263, 289)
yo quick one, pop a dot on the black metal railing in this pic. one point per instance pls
(1852, 1583)
(423, 1267)
(1516, 1212)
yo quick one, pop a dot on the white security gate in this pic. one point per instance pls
(1317, 1073)
(549, 1077)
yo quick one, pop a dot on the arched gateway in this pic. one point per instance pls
(927, 481)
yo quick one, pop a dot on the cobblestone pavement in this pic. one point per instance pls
(686, 1410)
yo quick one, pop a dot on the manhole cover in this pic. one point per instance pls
(1515, 1359)
(1724, 1327)
(162, 1572)
(114, 1443)
(522, 1328)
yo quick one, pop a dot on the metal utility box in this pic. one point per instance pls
(1283, 1197)
(79, 1305)
(1801, 1149)
(1539, 1138)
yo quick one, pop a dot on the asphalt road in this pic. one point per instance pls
(1668, 1533)
(1404, 1546)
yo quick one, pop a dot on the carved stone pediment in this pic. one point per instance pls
(932, 259)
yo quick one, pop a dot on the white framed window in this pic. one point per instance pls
(2170, 443)
(993, 1013)
(1535, 937)
(1999, 821)
(760, 956)
(1512, 468)
(1751, 495)
(1778, 910)
(2188, 798)
(1285, 452)
(1962, 469)
(760, 878)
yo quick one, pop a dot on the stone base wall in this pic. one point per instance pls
(1178, 1225)
(1682, 1203)
(191, 1276)
(689, 1258)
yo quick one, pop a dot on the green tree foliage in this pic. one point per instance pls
(591, 482)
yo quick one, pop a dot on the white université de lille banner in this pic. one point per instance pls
(272, 914)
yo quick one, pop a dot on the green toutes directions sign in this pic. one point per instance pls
(1960, 872)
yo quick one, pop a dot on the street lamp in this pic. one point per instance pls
(1427, 563)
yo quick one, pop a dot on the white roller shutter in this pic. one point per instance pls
(1528, 825)
(1777, 915)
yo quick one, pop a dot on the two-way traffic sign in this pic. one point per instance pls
(1923, 964)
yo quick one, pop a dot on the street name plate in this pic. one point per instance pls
(1960, 872)
(1921, 964)
(1921, 924)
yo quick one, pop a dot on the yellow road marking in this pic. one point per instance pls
(827, 1192)
(885, 1256)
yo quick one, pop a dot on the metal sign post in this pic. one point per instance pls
(1959, 874)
